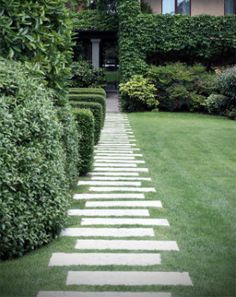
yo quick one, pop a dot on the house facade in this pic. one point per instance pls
(193, 7)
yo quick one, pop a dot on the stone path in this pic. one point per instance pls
(116, 197)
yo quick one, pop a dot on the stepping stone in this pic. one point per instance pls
(120, 178)
(128, 278)
(113, 174)
(119, 222)
(108, 183)
(115, 158)
(129, 245)
(115, 165)
(154, 204)
(117, 161)
(108, 196)
(104, 259)
(114, 144)
(108, 232)
(100, 294)
(121, 169)
(114, 151)
(119, 154)
(109, 212)
(121, 189)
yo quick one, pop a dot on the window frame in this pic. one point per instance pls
(234, 13)
(176, 7)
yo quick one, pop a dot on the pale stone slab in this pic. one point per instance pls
(108, 232)
(103, 259)
(117, 161)
(113, 174)
(109, 212)
(118, 155)
(128, 278)
(154, 204)
(115, 144)
(119, 222)
(104, 158)
(129, 245)
(120, 178)
(115, 150)
(108, 196)
(108, 183)
(121, 189)
(122, 169)
(129, 165)
(100, 294)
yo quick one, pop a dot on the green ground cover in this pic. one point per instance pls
(192, 164)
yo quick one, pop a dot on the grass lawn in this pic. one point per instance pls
(191, 159)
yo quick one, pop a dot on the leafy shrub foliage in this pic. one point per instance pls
(33, 186)
(138, 94)
(98, 91)
(94, 20)
(85, 76)
(96, 110)
(70, 143)
(85, 125)
(181, 87)
(39, 32)
(224, 103)
(90, 98)
(205, 38)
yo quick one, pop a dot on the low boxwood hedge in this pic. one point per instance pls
(85, 125)
(98, 91)
(96, 109)
(90, 98)
(34, 192)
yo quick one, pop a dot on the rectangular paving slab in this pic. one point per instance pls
(113, 174)
(108, 196)
(109, 212)
(100, 294)
(119, 222)
(121, 189)
(120, 160)
(129, 245)
(119, 178)
(120, 154)
(128, 278)
(104, 259)
(112, 165)
(121, 169)
(108, 232)
(109, 183)
(145, 203)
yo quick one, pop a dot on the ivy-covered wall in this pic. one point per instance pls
(202, 38)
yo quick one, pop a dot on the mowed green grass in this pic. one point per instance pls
(191, 159)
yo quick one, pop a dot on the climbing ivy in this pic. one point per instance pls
(203, 38)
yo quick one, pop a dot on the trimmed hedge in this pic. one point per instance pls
(85, 124)
(70, 143)
(90, 98)
(34, 192)
(93, 91)
(96, 109)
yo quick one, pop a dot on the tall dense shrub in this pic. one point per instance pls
(33, 187)
(39, 32)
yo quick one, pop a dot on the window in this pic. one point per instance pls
(230, 7)
(176, 6)
(183, 7)
(168, 6)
